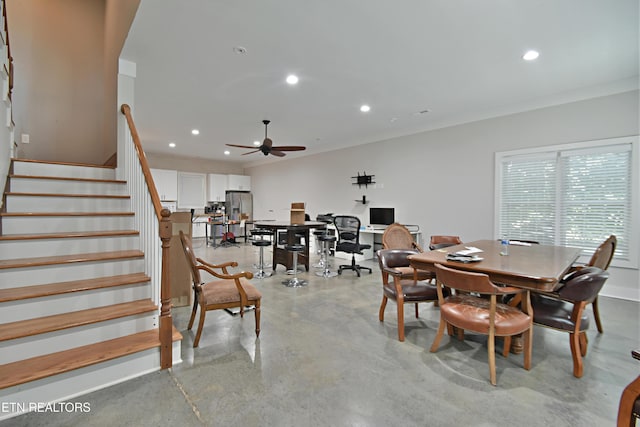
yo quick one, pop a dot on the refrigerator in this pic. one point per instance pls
(238, 205)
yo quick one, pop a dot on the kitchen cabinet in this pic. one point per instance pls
(166, 183)
(217, 186)
(238, 183)
(191, 190)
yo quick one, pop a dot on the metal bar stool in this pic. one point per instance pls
(294, 282)
(261, 243)
(327, 240)
(320, 250)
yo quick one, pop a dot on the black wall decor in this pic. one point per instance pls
(363, 179)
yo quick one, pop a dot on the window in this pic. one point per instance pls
(572, 195)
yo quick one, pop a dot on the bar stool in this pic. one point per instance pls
(294, 282)
(320, 249)
(261, 243)
(327, 240)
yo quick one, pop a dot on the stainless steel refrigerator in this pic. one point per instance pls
(238, 205)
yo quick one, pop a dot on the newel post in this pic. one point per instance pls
(166, 322)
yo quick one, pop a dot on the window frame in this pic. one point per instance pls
(634, 225)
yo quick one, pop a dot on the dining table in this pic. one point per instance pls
(528, 266)
(293, 231)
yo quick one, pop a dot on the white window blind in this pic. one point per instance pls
(576, 195)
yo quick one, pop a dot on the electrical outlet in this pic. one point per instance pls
(25, 138)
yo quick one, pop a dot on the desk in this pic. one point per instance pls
(535, 267)
(373, 237)
(282, 256)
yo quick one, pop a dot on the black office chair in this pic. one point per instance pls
(348, 228)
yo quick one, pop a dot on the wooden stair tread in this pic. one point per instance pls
(67, 178)
(49, 214)
(56, 322)
(67, 259)
(23, 371)
(77, 195)
(37, 291)
(70, 234)
(50, 162)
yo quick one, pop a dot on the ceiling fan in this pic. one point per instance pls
(267, 146)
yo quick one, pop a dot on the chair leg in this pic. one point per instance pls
(383, 305)
(506, 346)
(584, 342)
(257, 314)
(574, 342)
(492, 356)
(193, 312)
(528, 347)
(400, 320)
(627, 400)
(203, 312)
(596, 314)
(436, 340)
(417, 315)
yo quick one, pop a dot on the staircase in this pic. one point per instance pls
(77, 311)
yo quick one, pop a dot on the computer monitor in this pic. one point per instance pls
(381, 216)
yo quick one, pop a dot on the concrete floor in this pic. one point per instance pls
(324, 359)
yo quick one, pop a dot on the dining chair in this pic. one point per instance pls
(468, 310)
(397, 236)
(602, 258)
(439, 242)
(402, 288)
(564, 311)
(230, 291)
(629, 407)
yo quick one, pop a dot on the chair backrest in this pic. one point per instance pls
(397, 236)
(465, 280)
(583, 284)
(393, 258)
(438, 242)
(191, 258)
(603, 255)
(348, 228)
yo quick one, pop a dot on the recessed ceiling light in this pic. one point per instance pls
(365, 108)
(530, 55)
(172, 144)
(240, 50)
(195, 132)
(257, 143)
(292, 79)
(227, 152)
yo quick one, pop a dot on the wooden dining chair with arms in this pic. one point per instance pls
(564, 310)
(397, 236)
(399, 285)
(468, 310)
(348, 228)
(439, 242)
(227, 291)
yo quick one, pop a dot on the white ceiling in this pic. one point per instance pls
(459, 59)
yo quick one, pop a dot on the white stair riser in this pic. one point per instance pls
(54, 186)
(66, 204)
(31, 308)
(58, 224)
(15, 277)
(14, 249)
(45, 169)
(65, 339)
(64, 387)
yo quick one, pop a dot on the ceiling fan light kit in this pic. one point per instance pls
(267, 146)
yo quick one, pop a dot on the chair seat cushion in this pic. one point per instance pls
(472, 313)
(407, 273)
(412, 292)
(263, 243)
(225, 291)
(352, 248)
(555, 313)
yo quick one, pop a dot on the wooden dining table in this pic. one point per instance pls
(533, 267)
(281, 255)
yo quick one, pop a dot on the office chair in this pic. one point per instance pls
(348, 228)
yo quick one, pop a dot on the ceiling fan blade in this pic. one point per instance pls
(240, 146)
(250, 152)
(277, 153)
(289, 148)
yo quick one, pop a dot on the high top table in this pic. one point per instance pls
(282, 256)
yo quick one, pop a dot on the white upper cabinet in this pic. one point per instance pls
(217, 184)
(166, 183)
(239, 183)
(191, 190)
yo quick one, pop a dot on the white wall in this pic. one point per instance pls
(441, 180)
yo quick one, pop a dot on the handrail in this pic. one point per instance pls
(126, 110)
(10, 58)
(165, 232)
